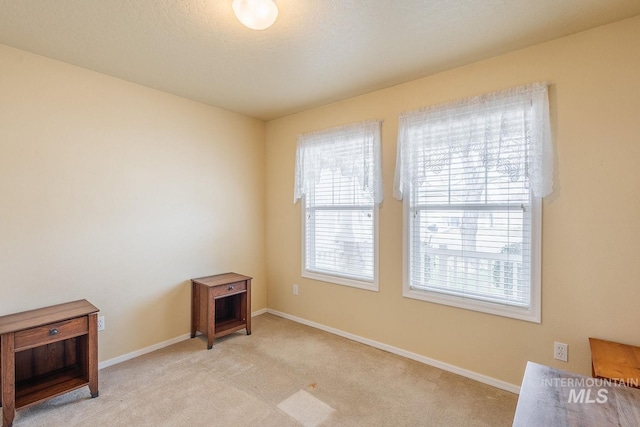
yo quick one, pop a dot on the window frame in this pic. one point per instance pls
(538, 168)
(350, 154)
(530, 314)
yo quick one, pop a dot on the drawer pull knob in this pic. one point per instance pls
(53, 331)
(230, 288)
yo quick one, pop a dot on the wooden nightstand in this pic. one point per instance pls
(220, 305)
(47, 352)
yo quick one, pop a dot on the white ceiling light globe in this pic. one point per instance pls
(256, 14)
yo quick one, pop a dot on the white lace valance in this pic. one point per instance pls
(353, 149)
(490, 131)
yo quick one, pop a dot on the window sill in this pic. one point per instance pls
(354, 283)
(530, 314)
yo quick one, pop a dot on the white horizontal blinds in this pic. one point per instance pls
(339, 173)
(481, 254)
(466, 169)
(339, 228)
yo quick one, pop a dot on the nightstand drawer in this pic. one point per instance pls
(51, 333)
(229, 289)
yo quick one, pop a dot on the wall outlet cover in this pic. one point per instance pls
(561, 351)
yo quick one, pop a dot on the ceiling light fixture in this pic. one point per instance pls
(255, 14)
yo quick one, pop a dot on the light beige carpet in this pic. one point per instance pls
(284, 374)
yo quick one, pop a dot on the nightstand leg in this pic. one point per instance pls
(211, 318)
(93, 355)
(8, 379)
(195, 308)
(247, 306)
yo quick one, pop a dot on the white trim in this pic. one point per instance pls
(404, 353)
(259, 312)
(143, 351)
(535, 301)
(513, 312)
(337, 280)
(158, 346)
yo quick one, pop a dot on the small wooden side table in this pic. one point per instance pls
(47, 352)
(615, 361)
(220, 305)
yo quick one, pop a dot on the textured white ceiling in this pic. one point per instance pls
(318, 51)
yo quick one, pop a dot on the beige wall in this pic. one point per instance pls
(591, 223)
(119, 194)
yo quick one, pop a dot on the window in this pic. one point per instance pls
(472, 174)
(339, 178)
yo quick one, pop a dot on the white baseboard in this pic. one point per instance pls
(404, 353)
(154, 347)
(258, 313)
(142, 351)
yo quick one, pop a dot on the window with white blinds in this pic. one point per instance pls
(339, 178)
(472, 174)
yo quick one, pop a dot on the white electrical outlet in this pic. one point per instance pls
(101, 323)
(295, 289)
(561, 351)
